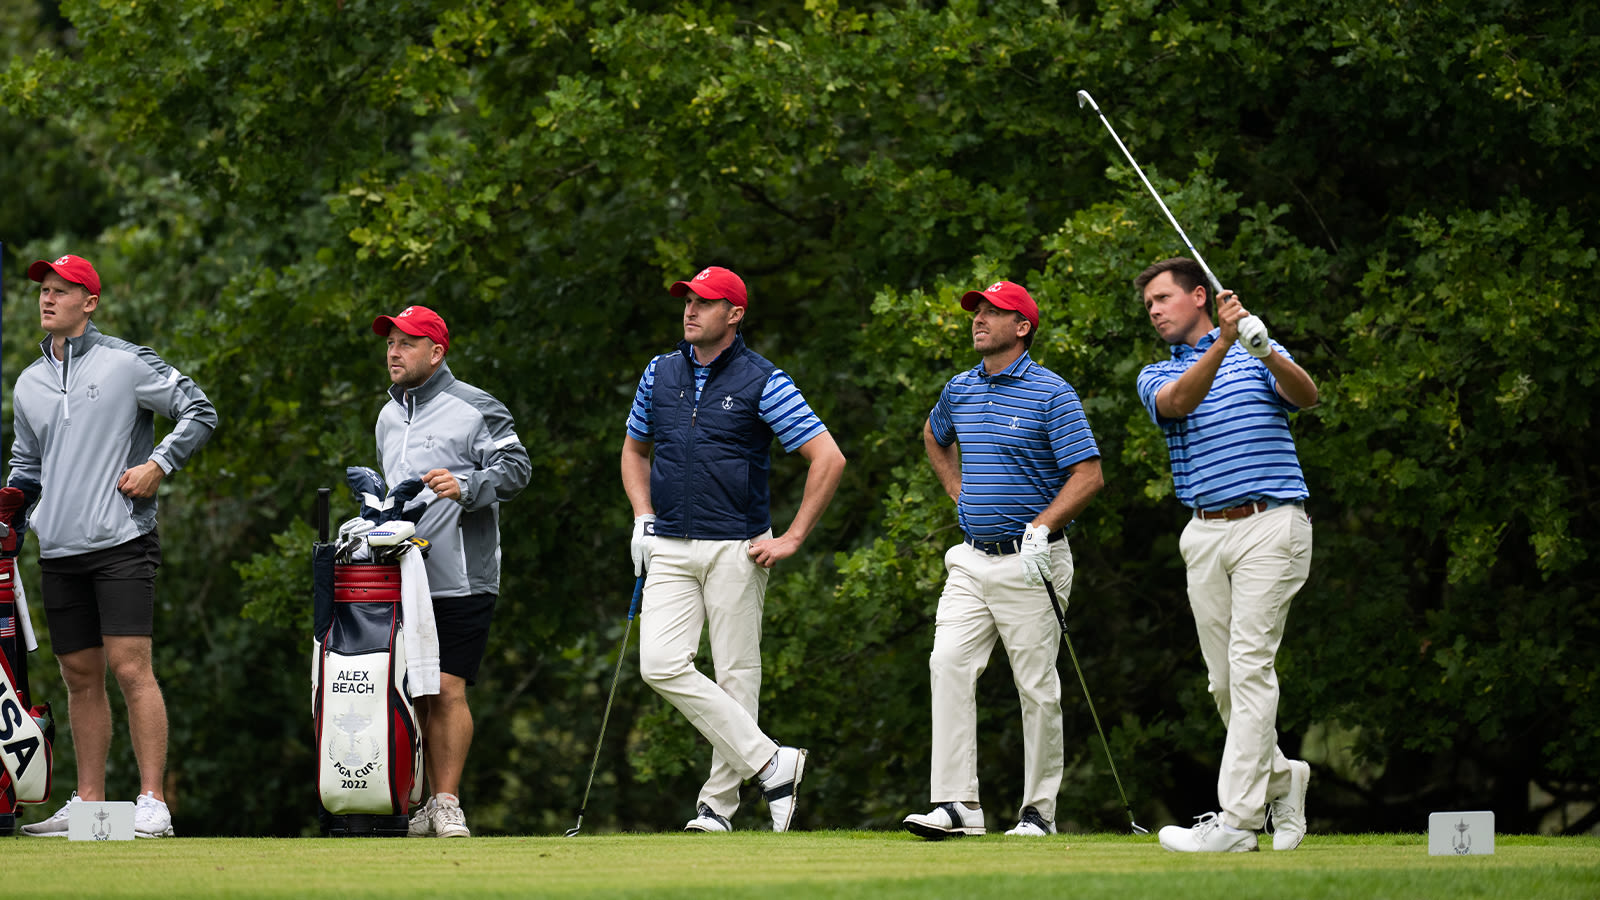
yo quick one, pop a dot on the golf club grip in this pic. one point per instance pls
(638, 594)
(322, 515)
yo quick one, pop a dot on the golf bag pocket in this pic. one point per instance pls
(369, 750)
(26, 731)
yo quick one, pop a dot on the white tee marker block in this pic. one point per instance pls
(1461, 833)
(102, 820)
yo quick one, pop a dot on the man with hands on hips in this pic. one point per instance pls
(695, 462)
(1223, 400)
(1011, 446)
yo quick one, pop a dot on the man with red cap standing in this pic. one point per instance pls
(96, 521)
(703, 533)
(1026, 466)
(463, 445)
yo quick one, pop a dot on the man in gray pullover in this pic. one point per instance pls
(462, 444)
(83, 418)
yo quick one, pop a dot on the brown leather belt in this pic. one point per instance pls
(1242, 511)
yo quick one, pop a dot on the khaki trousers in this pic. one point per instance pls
(692, 584)
(1242, 575)
(985, 599)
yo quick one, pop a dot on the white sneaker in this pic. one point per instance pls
(1031, 824)
(56, 825)
(151, 818)
(706, 819)
(448, 819)
(946, 820)
(1208, 835)
(1287, 814)
(421, 824)
(781, 786)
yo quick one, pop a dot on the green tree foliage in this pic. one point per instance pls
(1390, 187)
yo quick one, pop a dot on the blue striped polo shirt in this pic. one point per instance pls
(1235, 447)
(783, 408)
(1020, 429)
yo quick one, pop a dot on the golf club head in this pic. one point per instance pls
(573, 831)
(1139, 829)
(1085, 99)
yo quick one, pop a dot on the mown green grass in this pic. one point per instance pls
(802, 865)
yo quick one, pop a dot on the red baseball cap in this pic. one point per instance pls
(75, 269)
(1005, 295)
(713, 283)
(417, 321)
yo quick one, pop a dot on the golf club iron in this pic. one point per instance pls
(1216, 286)
(1061, 616)
(622, 651)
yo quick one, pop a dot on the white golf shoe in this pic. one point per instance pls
(421, 824)
(782, 783)
(151, 818)
(1287, 814)
(1208, 835)
(707, 820)
(946, 820)
(56, 825)
(1031, 824)
(448, 819)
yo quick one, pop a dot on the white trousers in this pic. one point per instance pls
(985, 598)
(1242, 575)
(692, 584)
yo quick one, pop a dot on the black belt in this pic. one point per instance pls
(1006, 548)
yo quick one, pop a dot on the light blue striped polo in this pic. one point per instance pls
(783, 407)
(1235, 447)
(1020, 430)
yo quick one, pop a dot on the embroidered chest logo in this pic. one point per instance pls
(1015, 421)
(92, 392)
(727, 402)
(427, 442)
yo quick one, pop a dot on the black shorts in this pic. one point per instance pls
(110, 591)
(463, 624)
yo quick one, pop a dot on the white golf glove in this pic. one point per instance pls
(1253, 335)
(1036, 555)
(640, 545)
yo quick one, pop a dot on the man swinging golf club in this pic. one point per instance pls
(1011, 446)
(1223, 400)
(703, 533)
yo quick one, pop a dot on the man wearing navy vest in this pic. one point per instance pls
(1223, 400)
(703, 533)
(1011, 446)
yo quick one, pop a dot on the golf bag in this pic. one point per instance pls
(369, 746)
(26, 729)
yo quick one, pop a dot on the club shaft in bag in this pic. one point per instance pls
(1061, 616)
(622, 652)
(1085, 100)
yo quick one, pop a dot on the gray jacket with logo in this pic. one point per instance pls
(449, 424)
(80, 424)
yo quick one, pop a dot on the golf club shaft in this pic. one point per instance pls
(622, 652)
(1061, 616)
(1216, 286)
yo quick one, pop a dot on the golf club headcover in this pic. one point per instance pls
(401, 495)
(367, 486)
(16, 499)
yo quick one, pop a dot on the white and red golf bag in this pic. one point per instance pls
(26, 729)
(369, 746)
